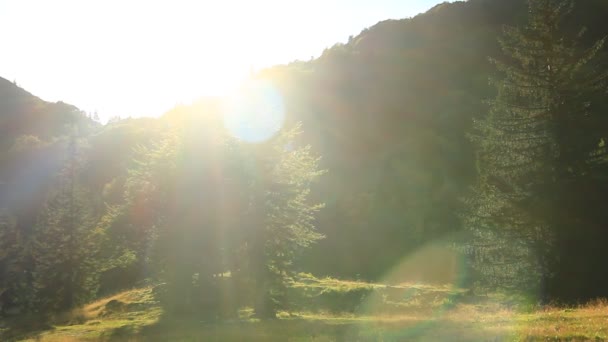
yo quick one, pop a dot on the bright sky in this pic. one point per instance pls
(141, 57)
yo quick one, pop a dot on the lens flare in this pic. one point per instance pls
(255, 113)
(419, 291)
(424, 297)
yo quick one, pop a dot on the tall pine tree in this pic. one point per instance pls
(13, 276)
(534, 138)
(65, 243)
(221, 228)
(280, 218)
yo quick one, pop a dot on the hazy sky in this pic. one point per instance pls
(141, 57)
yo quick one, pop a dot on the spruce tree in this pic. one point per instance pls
(534, 137)
(280, 218)
(238, 208)
(13, 276)
(65, 242)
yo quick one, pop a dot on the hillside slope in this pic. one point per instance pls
(390, 110)
(23, 113)
(389, 113)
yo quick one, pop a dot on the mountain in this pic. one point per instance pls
(389, 111)
(22, 113)
(30, 154)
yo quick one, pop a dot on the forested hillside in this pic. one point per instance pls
(477, 128)
(390, 112)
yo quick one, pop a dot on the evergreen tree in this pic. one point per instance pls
(238, 209)
(280, 218)
(13, 276)
(65, 243)
(173, 218)
(535, 136)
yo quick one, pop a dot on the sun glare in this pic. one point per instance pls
(255, 112)
(141, 58)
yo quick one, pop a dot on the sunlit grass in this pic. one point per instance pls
(99, 320)
(135, 316)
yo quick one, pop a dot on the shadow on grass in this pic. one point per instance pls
(27, 327)
(123, 333)
(302, 329)
(310, 328)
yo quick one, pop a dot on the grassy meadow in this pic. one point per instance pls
(330, 310)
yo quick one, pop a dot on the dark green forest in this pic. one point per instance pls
(478, 126)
